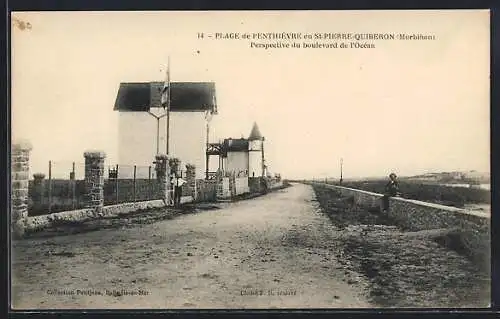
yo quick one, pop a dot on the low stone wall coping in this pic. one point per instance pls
(413, 201)
(146, 203)
(350, 189)
(42, 221)
(358, 190)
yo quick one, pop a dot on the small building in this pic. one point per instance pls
(192, 105)
(242, 156)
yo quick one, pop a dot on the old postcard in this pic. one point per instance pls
(250, 160)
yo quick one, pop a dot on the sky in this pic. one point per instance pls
(410, 106)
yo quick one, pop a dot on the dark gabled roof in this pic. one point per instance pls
(185, 96)
(235, 145)
(255, 133)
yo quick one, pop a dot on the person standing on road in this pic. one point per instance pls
(391, 190)
(177, 182)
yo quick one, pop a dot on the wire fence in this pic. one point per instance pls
(130, 183)
(61, 186)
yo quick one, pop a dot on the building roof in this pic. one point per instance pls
(185, 96)
(235, 145)
(255, 133)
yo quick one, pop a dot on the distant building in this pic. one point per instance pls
(192, 106)
(243, 156)
(478, 177)
(235, 157)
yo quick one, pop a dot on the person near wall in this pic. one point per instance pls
(391, 190)
(177, 182)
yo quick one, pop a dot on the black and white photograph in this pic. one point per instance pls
(250, 159)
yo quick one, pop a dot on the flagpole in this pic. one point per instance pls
(168, 107)
(170, 192)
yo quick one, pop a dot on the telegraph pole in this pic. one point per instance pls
(207, 156)
(341, 166)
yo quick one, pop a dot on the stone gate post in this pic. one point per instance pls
(94, 179)
(232, 184)
(191, 180)
(19, 187)
(162, 168)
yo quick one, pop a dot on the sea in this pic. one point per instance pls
(481, 186)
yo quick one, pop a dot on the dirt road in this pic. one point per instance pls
(275, 251)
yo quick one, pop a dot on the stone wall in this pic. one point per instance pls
(360, 197)
(62, 198)
(223, 188)
(274, 183)
(40, 222)
(256, 185)
(19, 187)
(191, 181)
(473, 228)
(430, 193)
(233, 186)
(72, 200)
(35, 223)
(206, 191)
(241, 185)
(70, 194)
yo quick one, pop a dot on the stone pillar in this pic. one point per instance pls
(162, 168)
(94, 179)
(174, 166)
(232, 185)
(19, 187)
(191, 180)
(220, 188)
(38, 191)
